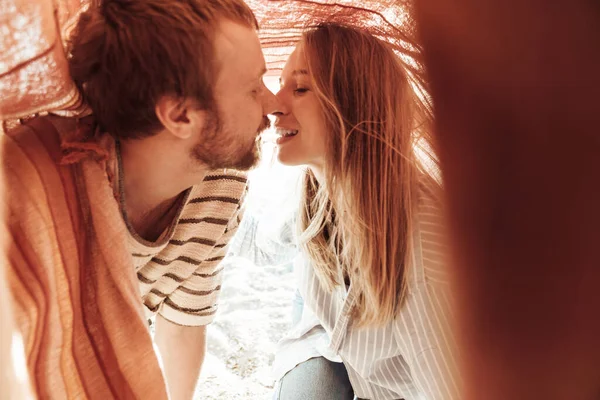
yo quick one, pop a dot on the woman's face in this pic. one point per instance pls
(300, 123)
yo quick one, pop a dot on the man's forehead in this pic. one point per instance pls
(238, 52)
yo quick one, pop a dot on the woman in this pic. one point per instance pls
(376, 315)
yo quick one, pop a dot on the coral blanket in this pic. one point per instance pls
(75, 295)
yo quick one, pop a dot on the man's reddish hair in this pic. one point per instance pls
(126, 54)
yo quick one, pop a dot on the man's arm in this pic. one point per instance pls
(182, 350)
(182, 344)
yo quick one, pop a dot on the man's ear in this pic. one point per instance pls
(178, 116)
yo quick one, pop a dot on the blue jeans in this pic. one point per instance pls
(315, 379)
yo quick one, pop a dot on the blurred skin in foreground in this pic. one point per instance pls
(518, 130)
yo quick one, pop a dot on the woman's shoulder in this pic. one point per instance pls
(429, 207)
(430, 219)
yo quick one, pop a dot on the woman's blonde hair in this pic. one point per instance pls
(358, 223)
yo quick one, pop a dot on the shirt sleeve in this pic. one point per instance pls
(262, 246)
(423, 328)
(195, 301)
(423, 333)
(433, 245)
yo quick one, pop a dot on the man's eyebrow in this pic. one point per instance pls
(295, 73)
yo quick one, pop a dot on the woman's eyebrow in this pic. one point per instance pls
(295, 73)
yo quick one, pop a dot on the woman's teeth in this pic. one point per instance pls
(286, 132)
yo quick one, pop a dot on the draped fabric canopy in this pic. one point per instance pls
(282, 22)
(33, 69)
(34, 73)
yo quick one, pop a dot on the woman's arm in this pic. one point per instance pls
(423, 333)
(262, 246)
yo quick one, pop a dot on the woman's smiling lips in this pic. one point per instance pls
(285, 135)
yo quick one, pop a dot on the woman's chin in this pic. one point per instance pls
(288, 159)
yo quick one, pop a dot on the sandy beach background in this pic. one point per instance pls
(254, 313)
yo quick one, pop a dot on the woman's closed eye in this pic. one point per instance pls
(300, 91)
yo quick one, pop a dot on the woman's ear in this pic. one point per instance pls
(179, 117)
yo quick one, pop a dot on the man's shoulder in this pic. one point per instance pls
(225, 184)
(29, 148)
(220, 195)
(27, 130)
(33, 160)
(30, 165)
(36, 137)
(226, 175)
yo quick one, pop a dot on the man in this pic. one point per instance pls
(147, 186)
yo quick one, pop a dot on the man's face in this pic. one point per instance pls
(229, 137)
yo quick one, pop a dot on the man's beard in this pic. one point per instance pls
(218, 148)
